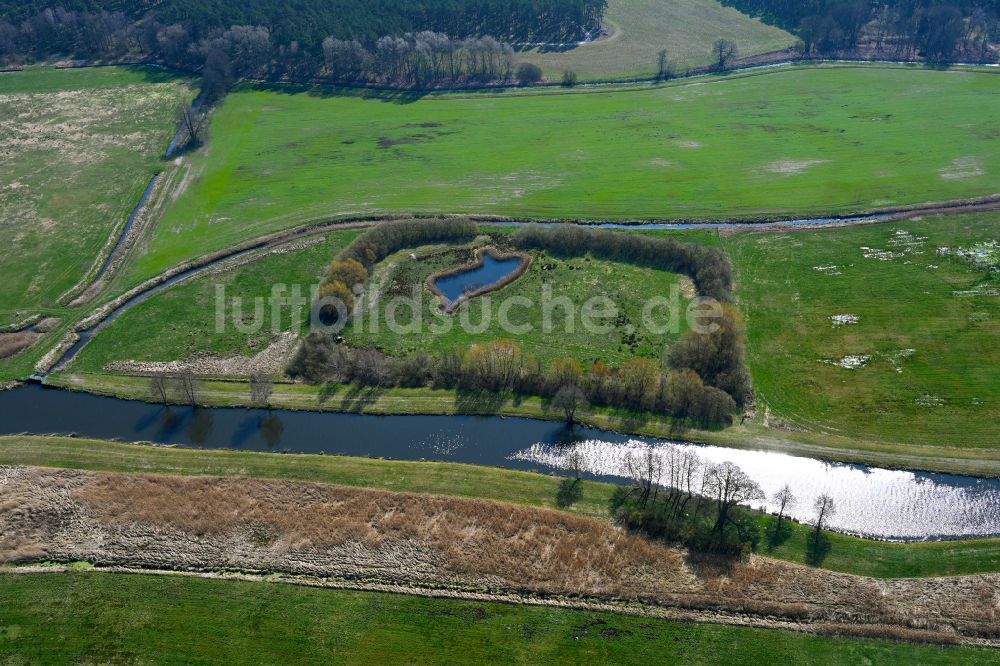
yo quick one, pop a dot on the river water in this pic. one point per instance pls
(870, 501)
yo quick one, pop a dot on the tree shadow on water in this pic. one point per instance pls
(271, 429)
(202, 424)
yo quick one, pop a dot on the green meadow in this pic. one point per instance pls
(639, 29)
(78, 147)
(928, 322)
(795, 141)
(547, 318)
(182, 321)
(88, 617)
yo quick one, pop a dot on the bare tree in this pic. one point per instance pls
(730, 486)
(647, 470)
(664, 68)
(261, 387)
(681, 478)
(570, 399)
(191, 123)
(574, 460)
(724, 51)
(159, 389)
(825, 508)
(785, 500)
(188, 387)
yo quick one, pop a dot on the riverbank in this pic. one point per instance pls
(426, 401)
(847, 554)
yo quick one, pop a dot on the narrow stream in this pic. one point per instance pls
(870, 501)
(128, 226)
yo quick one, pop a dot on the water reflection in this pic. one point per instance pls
(200, 429)
(884, 503)
(271, 429)
(877, 502)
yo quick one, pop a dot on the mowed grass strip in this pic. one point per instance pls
(101, 617)
(79, 147)
(847, 554)
(797, 141)
(641, 28)
(927, 325)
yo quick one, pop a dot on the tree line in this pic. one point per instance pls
(411, 43)
(308, 22)
(412, 59)
(705, 361)
(706, 379)
(678, 496)
(503, 367)
(936, 30)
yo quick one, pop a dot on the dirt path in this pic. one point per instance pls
(251, 250)
(372, 539)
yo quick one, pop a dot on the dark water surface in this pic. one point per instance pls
(870, 501)
(491, 272)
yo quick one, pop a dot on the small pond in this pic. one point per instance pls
(476, 278)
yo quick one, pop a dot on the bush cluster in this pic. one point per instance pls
(679, 497)
(502, 366)
(707, 266)
(706, 368)
(384, 239)
(348, 272)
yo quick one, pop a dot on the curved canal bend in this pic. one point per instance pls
(287, 237)
(872, 502)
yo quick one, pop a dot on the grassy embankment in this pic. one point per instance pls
(79, 148)
(90, 617)
(182, 321)
(778, 285)
(928, 321)
(847, 554)
(795, 141)
(641, 28)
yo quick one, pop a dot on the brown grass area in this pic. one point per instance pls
(435, 542)
(12, 344)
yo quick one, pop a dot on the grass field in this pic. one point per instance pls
(182, 321)
(574, 281)
(641, 28)
(796, 141)
(101, 618)
(78, 148)
(847, 554)
(928, 323)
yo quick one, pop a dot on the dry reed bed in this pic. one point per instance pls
(447, 543)
(12, 344)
